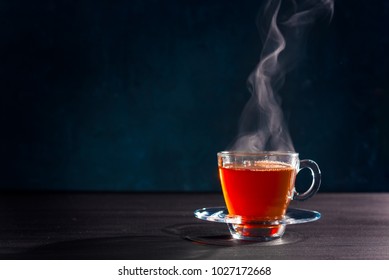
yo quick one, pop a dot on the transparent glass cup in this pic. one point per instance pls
(257, 189)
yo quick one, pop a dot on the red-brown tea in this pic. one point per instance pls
(261, 191)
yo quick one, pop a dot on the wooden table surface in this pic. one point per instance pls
(162, 226)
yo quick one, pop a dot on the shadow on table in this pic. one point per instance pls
(180, 241)
(218, 235)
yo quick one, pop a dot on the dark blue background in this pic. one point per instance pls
(140, 95)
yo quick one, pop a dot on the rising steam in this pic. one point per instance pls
(282, 26)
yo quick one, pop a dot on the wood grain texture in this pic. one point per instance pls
(162, 226)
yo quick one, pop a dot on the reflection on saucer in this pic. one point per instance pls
(220, 215)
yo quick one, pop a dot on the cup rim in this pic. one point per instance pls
(258, 153)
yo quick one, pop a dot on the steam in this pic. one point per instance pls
(282, 26)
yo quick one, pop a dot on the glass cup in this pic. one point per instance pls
(257, 189)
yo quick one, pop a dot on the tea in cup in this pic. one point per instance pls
(257, 189)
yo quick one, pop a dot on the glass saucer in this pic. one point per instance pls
(255, 230)
(220, 215)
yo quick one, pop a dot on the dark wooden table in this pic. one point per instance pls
(162, 226)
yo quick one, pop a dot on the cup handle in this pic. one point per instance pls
(316, 179)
